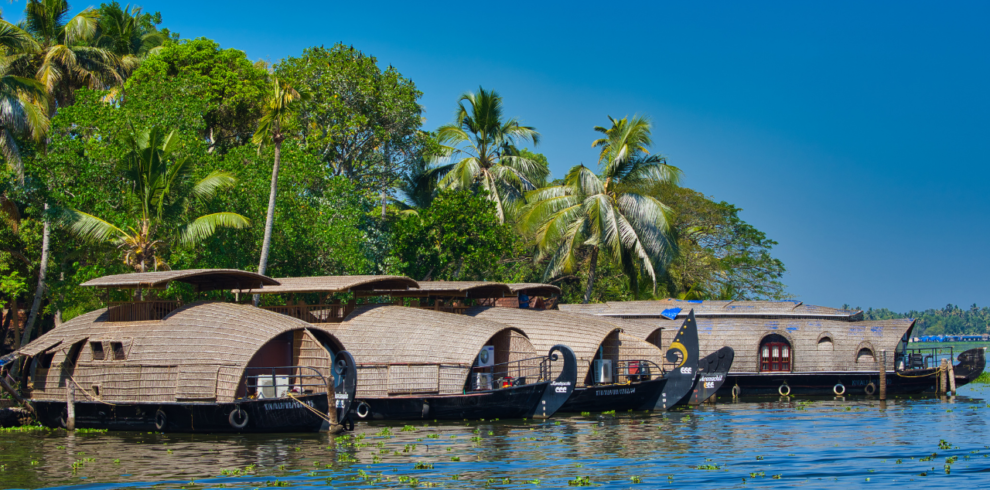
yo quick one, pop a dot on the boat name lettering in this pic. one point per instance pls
(712, 378)
(560, 383)
(617, 391)
(340, 396)
(285, 405)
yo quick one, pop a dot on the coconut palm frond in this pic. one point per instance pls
(204, 226)
(208, 186)
(93, 229)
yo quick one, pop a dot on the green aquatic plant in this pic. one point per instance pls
(455, 458)
(943, 444)
(708, 467)
(636, 479)
(581, 481)
(408, 428)
(423, 466)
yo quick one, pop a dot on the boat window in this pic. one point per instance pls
(97, 348)
(825, 344)
(775, 354)
(118, 351)
(865, 355)
(45, 360)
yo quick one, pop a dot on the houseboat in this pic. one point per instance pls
(784, 348)
(422, 362)
(205, 366)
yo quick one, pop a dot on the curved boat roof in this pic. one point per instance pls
(336, 284)
(545, 328)
(212, 341)
(672, 308)
(455, 289)
(534, 289)
(398, 334)
(202, 279)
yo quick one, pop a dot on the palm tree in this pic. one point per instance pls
(62, 58)
(486, 147)
(157, 177)
(276, 122)
(128, 34)
(22, 101)
(614, 212)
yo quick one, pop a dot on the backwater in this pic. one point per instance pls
(752, 443)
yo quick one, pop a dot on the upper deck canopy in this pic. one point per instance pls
(454, 289)
(672, 308)
(336, 284)
(534, 289)
(201, 279)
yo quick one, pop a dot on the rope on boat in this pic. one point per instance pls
(311, 409)
(934, 373)
(85, 392)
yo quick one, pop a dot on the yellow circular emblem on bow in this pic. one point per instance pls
(683, 350)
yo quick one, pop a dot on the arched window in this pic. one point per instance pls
(825, 344)
(775, 354)
(866, 355)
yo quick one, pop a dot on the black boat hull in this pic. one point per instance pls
(507, 403)
(712, 372)
(910, 382)
(642, 395)
(271, 415)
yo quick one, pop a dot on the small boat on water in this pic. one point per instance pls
(783, 348)
(419, 363)
(206, 366)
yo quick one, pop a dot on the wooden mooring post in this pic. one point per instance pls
(883, 374)
(70, 406)
(943, 372)
(952, 378)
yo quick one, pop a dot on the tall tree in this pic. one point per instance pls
(63, 58)
(612, 212)
(130, 34)
(160, 195)
(275, 123)
(23, 100)
(483, 146)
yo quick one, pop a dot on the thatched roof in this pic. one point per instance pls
(397, 334)
(199, 349)
(202, 279)
(455, 289)
(680, 308)
(582, 333)
(534, 289)
(744, 335)
(336, 284)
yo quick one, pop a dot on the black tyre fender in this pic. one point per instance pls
(161, 420)
(238, 418)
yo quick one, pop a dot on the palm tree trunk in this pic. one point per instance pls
(270, 220)
(40, 291)
(591, 274)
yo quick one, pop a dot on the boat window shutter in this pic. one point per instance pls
(406, 378)
(197, 383)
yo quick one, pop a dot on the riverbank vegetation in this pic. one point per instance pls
(126, 147)
(951, 320)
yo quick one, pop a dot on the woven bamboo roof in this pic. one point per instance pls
(336, 284)
(844, 338)
(203, 337)
(202, 279)
(455, 289)
(534, 289)
(397, 334)
(545, 328)
(653, 309)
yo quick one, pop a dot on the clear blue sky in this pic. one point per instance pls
(855, 134)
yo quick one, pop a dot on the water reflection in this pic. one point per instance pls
(814, 443)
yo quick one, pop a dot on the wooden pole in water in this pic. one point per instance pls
(70, 406)
(883, 374)
(942, 381)
(952, 378)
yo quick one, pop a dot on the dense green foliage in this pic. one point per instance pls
(951, 320)
(159, 152)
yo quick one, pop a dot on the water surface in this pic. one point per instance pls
(755, 443)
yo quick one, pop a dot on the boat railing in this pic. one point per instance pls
(278, 382)
(330, 313)
(137, 311)
(513, 373)
(925, 357)
(636, 370)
